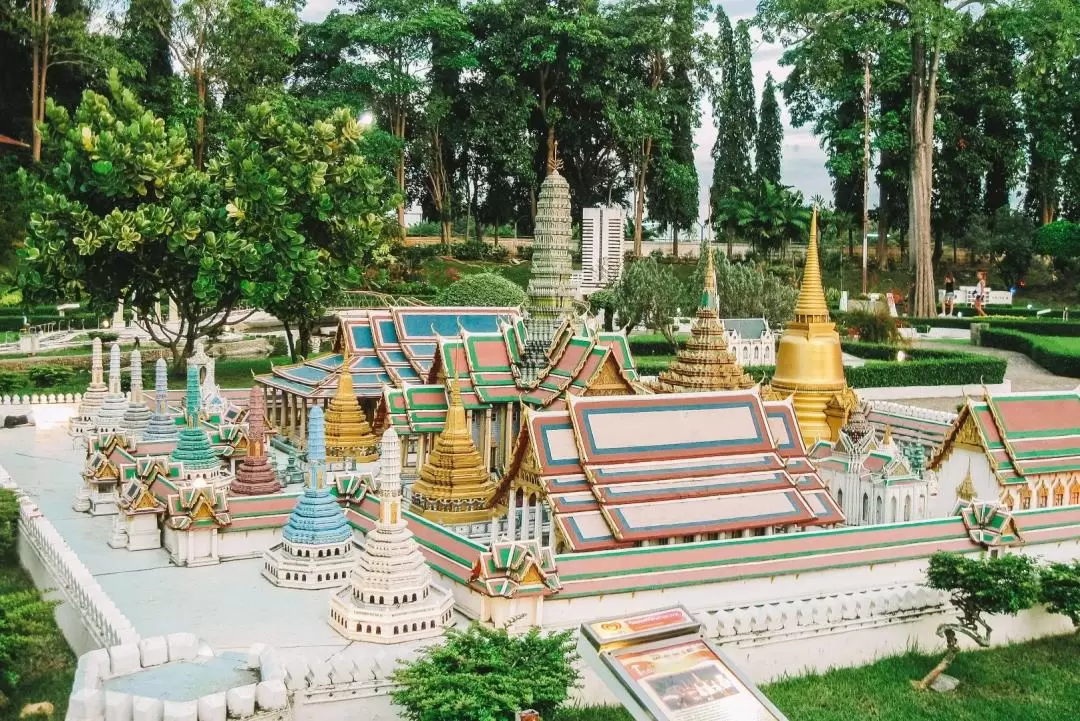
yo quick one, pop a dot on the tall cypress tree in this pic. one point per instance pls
(770, 135)
(142, 38)
(734, 113)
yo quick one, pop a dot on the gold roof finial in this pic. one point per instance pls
(966, 489)
(811, 306)
(554, 164)
(710, 280)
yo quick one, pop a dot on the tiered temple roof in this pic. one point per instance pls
(348, 434)
(912, 426)
(255, 476)
(1024, 435)
(390, 597)
(704, 363)
(624, 470)
(455, 486)
(391, 346)
(858, 450)
(137, 415)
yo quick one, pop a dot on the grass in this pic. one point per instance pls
(42, 677)
(1035, 681)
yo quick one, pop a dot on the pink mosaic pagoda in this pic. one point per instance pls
(255, 476)
(627, 471)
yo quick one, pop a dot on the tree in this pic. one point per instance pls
(979, 587)
(648, 293)
(482, 289)
(143, 35)
(769, 217)
(307, 199)
(929, 28)
(1012, 244)
(734, 116)
(1060, 584)
(485, 674)
(743, 290)
(770, 135)
(1060, 240)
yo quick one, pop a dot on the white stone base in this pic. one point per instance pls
(82, 500)
(289, 571)
(197, 547)
(143, 532)
(358, 620)
(104, 504)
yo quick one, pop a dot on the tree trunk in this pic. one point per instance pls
(882, 230)
(200, 120)
(952, 648)
(924, 103)
(289, 345)
(399, 133)
(675, 241)
(303, 337)
(444, 231)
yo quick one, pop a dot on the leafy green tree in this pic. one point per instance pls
(484, 674)
(143, 36)
(734, 115)
(1060, 240)
(482, 289)
(979, 587)
(1060, 585)
(1012, 244)
(770, 217)
(649, 294)
(770, 135)
(306, 198)
(743, 290)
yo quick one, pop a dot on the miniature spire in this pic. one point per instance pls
(161, 387)
(708, 293)
(348, 434)
(811, 306)
(96, 376)
(191, 406)
(255, 476)
(316, 446)
(966, 490)
(136, 376)
(137, 416)
(390, 466)
(114, 370)
(550, 295)
(256, 419)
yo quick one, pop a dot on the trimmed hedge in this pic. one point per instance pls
(1048, 326)
(650, 346)
(922, 367)
(15, 322)
(1042, 350)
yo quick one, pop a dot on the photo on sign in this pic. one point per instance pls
(702, 684)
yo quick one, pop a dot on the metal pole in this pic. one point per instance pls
(866, 164)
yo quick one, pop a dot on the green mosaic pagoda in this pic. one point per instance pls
(193, 448)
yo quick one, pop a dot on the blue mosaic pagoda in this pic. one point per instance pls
(162, 425)
(316, 549)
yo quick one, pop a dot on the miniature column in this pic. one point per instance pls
(511, 512)
(525, 518)
(538, 525)
(174, 312)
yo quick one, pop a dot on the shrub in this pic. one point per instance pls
(648, 293)
(1060, 584)
(10, 381)
(1060, 240)
(743, 291)
(105, 336)
(47, 376)
(920, 368)
(481, 674)
(873, 326)
(9, 526)
(525, 252)
(832, 297)
(1052, 354)
(482, 289)
(426, 227)
(651, 345)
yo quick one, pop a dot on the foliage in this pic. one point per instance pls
(979, 587)
(832, 297)
(1012, 243)
(46, 376)
(770, 217)
(1059, 355)
(1060, 584)
(9, 381)
(484, 674)
(482, 289)
(743, 291)
(733, 115)
(9, 527)
(648, 293)
(1060, 240)
(604, 300)
(873, 326)
(770, 135)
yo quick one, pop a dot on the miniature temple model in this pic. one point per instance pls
(140, 511)
(255, 476)
(110, 418)
(137, 416)
(751, 340)
(93, 397)
(704, 363)
(871, 479)
(162, 425)
(316, 549)
(455, 486)
(391, 596)
(349, 438)
(809, 367)
(193, 451)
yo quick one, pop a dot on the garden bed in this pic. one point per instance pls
(1058, 354)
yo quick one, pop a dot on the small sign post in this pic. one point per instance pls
(662, 668)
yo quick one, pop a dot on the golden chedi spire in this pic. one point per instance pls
(965, 491)
(705, 363)
(808, 363)
(454, 486)
(348, 435)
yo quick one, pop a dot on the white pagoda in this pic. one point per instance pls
(85, 417)
(110, 417)
(391, 597)
(137, 416)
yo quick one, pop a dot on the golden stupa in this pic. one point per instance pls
(809, 364)
(705, 363)
(348, 435)
(454, 486)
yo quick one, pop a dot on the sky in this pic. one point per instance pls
(803, 165)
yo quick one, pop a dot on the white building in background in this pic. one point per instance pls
(602, 235)
(751, 340)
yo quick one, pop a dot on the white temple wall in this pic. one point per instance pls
(951, 474)
(235, 545)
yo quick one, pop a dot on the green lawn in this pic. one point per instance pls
(1036, 681)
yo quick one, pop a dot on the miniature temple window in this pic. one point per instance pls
(1074, 494)
(1059, 495)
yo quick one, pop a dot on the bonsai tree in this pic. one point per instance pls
(482, 289)
(979, 587)
(486, 674)
(1061, 590)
